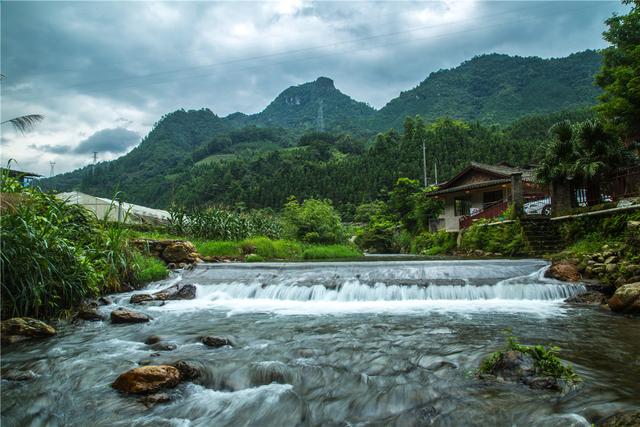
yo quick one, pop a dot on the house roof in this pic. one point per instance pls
(500, 171)
(16, 173)
(472, 186)
(499, 174)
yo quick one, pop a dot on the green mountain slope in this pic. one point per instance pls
(499, 89)
(304, 107)
(489, 89)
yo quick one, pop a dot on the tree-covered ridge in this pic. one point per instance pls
(499, 89)
(311, 106)
(488, 89)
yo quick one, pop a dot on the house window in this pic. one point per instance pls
(491, 198)
(462, 207)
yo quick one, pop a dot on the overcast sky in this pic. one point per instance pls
(102, 73)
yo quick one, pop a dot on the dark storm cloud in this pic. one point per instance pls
(104, 141)
(108, 140)
(103, 65)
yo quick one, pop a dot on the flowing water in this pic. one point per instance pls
(363, 344)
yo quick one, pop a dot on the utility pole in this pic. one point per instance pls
(435, 168)
(51, 173)
(424, 163)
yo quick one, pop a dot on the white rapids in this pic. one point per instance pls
(311, 288)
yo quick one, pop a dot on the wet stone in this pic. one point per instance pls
(154, 399)
(215, 342)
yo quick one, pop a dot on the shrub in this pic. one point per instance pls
(313, 221)
(253, 258)
(505, 238)
(437, 243)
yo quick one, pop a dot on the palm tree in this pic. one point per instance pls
(24, 123)
(583, 152)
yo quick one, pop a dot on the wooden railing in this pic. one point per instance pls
(490, 211)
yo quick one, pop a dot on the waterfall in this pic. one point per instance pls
(427, 281)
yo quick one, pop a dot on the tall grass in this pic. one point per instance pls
(148, 269)
(262, 249)
(54, 254)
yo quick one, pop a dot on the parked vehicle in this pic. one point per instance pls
(538, 207)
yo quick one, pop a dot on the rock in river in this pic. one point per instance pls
(188, 370)
(564, 271)
(154, 399)
(147, 379)
(214, 342)
(175, 292)
(21, 328)
(123, 315)
(90, 312)
(626, 299)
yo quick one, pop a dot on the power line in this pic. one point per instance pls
(296, 51)
(260, 66)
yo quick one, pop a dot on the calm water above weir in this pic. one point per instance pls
(367, 343)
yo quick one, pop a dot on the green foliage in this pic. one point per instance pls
(506, 238)
(546, 360)
(585, 152)
(224, 224)
(620, 102)
(261, 249)
(437, 243)
(378, 236)
(54, 254)
(218, 248)
(330, 252)
(254, 161)
(498, 88)
(149, 269)
(313, 221)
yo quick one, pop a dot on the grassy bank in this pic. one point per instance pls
(262, 249)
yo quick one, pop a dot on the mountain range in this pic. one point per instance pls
(491, 89)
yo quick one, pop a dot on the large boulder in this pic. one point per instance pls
(626, 299)
(21, 328)
(180, 251)
(147, 379)
(89, 311)
(123, 315)
(563, 270)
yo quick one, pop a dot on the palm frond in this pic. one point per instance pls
(25, 123)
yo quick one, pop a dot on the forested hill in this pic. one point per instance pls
(490, 89)
(499, 89)
(311, 106)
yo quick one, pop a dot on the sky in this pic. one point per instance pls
(102, 73)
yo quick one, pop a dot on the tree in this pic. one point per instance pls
(620, 74)
(584, 152)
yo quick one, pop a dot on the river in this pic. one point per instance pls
(354, 343)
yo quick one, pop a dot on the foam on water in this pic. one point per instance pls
(364, 287)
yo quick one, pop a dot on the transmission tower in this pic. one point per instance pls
(321, 116)
(51, 172)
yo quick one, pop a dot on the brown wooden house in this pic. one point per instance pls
(483, 191)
